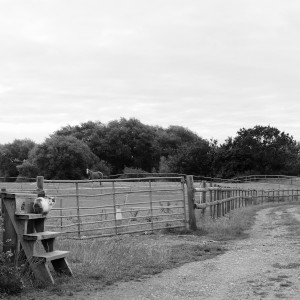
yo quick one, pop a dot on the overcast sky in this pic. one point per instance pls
(212, 66)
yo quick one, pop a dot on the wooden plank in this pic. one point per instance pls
(40, 235)
(191, 202)
(49, 256)
(41, 272)
(10, 237)
(29, 216)
(61, 266)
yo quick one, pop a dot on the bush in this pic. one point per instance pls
(10, 275)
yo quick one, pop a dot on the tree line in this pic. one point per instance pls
(127, 146)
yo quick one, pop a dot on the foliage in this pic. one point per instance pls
(190, 159)
(164, 165)
(10, 276)
(258, 150)
(7, 166)
(133, 171)
(19, 150)
(129, 143)
(28, 170)
(12, 155)
(124, 143)
(62, 158)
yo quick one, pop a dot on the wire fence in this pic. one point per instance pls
(95, 208)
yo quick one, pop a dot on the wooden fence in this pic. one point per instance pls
(93, 208)
(218, 199)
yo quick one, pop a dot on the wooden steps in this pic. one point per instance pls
(49, 256)
(30, 216)
(40, 235)
(30, 229)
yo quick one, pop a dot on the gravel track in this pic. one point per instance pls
(264, 266)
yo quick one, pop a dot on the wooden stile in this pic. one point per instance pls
(25, 229)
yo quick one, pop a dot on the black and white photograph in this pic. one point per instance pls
(150, 149)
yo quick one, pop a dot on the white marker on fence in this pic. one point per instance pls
(118, 216)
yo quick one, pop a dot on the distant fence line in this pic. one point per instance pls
(220, 199)
(87, 209)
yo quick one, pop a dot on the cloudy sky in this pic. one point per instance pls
(212, 66)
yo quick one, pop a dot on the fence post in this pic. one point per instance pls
(151, 206)
(204, 197)
(191, 202)
(219, 205)
(211, 200)
(115, 209)
(9, 237)
(40, 186)
(78, 210)
(184, 202)
(61, 213)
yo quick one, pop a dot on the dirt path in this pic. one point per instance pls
(265, 266)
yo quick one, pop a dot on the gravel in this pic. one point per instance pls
(264, 266)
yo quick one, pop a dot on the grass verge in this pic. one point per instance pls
(101, 262)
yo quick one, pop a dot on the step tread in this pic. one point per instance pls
(29, 216)
(52, 255)
(41, 235)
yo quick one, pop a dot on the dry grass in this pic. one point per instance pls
(116, 258)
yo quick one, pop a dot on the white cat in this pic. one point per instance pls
(42, 205)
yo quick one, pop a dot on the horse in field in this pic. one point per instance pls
(94, 175)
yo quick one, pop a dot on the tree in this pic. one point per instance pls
(125, 143)
(129, 143)
(182, 151)
(62, 157)
(12, 155)
(19, 150)
(27, 169)
(7, 166)
(191, 159)
(260, 150)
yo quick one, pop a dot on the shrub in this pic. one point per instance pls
(10, 275)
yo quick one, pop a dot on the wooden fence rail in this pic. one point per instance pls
(86, 208)
(117, 206)
(220, 199)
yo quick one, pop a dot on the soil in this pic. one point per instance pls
(266, 265)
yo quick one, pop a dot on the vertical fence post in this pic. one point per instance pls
(204, 197)
(184, 203)
(115, 209)
(9, 237)
(61, 213)
(151, 207)
(191, 202)
(215, 206)
(210, 200)
(40, 185)
(228, 208)
(218, 204)
(78, 209)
